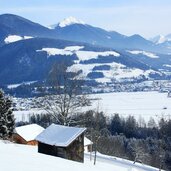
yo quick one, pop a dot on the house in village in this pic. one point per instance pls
(87, 145)
(62, 141)
(26, 134)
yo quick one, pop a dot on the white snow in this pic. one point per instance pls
(28, 37)
(26, 158)
(148, 54)
(103, 80)
(69, 21)
(117, 71)
(166, 65)
(23, 115)
(59, 135)
(82, 55)
(55, 51)
(73, 48)
(144, 104)
(10, 86)
(29, 132)
(86, 55)
(161, 39)
(87, 141)
(14, 38)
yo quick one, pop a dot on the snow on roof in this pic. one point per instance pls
(69, 21)
(87, 141)
(59, 135)
(29, 132)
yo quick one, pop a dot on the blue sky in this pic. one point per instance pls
(145, 17)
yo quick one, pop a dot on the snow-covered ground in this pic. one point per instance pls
(11, 86)
(148, 54)
(115, 70)
(82, 55)
(144, 104)
(14, 38)
(16, 157)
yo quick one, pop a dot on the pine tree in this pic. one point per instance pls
(7, 121)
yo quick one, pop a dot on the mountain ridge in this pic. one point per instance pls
(15, 25)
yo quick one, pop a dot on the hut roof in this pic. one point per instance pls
(29, 132)
(59, 135)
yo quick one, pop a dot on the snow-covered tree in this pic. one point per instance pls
(7, 121)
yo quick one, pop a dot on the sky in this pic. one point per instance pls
(145, 17)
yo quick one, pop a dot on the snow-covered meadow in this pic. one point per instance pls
(144, 104)
(16, 157)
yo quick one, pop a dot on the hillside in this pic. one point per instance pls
(32, 59)
(21, 157)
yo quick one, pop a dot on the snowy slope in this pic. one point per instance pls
(160, 39)
(89, 60)
(148, 54)
(27, 158)
(14, 38)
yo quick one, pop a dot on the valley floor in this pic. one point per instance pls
(144, 104)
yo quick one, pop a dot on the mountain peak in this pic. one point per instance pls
(69, 21)
(159, 39)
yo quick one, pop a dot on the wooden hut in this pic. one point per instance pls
(26, 134)
(62, 141)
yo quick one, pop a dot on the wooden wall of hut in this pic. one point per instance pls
(20, 140)
(75, 151)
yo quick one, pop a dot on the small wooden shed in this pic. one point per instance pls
(26, 134)
(87, 145)
(62, 141)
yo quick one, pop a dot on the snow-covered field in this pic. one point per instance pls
(16, 157)
(148, 54)
(14, 38)
(144, 104)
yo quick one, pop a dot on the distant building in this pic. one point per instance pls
(87, 145)
(26, 134)
(62, 141)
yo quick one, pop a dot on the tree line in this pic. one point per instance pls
(149, 143)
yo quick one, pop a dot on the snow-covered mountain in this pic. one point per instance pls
(161, 39)
(74, 30)
(13, 28)
(66, 22)
(28, 51)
